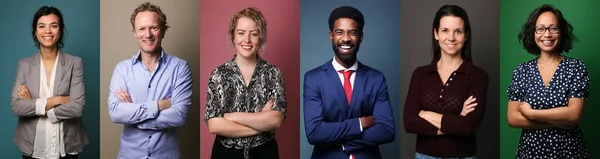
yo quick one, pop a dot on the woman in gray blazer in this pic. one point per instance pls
(48, 94)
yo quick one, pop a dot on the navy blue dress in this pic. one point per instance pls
(570, 80)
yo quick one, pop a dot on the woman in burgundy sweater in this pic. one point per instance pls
(446, 99)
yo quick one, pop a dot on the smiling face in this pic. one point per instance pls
(246, 37)
(547, 35)
(451, 35)
(148, 32)
(345, 40)
(48, 31)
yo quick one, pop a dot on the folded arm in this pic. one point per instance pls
(457, 124)
(125, 112)
(74, 107)
(272, 114)
(384, 129)
(181, 99)
(318, 130)
(413, 123)
(558, 116)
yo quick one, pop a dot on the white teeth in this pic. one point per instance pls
(345, 47)
(547, 41)
(47, 37)
(247, 47)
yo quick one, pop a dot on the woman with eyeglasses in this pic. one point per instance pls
(547, 94)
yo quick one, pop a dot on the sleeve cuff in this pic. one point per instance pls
(52, 116)
(152, 109)
(40, 107)
(360, 125)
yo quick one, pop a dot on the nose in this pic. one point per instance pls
(148, 33)
(345, 37)
(547, 33)
(247, 38)
(452, 37)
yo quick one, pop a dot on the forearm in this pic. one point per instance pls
(517, 120)
(559, 116)
(132, 113)
(261, 121)
(223, 127)
(382, 132)
(169, 118)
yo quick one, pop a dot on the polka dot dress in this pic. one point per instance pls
(570, 80)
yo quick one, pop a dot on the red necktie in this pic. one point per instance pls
(348, 89)
(347, 84)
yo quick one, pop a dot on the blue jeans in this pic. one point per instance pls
(423, 156)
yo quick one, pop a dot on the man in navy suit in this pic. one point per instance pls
(347, 112)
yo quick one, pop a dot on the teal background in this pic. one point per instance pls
(82, 39)
(583, 16)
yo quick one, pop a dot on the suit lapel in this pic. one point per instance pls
(59, 72)
(359, 79)
(338, 90)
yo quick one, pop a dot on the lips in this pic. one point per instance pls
(47, 37)
(247, 47)
(548, 42)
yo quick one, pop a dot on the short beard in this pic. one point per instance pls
(345, 58)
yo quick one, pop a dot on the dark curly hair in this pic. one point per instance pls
(527, 34)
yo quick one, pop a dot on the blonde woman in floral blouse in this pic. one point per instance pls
(246, 99)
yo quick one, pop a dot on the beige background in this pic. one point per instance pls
(117, 43)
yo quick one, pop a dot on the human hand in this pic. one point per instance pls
(24, 92)
(268, 105)
(164, 104)
(468, 106)
(367, 122)
(123, 96)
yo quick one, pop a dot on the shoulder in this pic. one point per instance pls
(317, 70)
(71, 58)
(176, 61)
(479, 73)
(575, 63)
(525, 67)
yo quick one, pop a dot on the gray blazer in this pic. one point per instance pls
(68, 82)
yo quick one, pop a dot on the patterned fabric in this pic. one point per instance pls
(227, 93)
(570, 80)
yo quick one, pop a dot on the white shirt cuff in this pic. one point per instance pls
(40, 106)
(52, 116)
(360, 124)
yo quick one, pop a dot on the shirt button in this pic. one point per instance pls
(148, 86)
(454, 73)
(149, 155)
(450, 79)
(447, 84)
(441, 96)
(442, 90)
(150, 137)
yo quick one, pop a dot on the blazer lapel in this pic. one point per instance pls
(59, 72)
(359, 79)
(33, 78)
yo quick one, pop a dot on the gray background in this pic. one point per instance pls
(417, 19)
(379, 50)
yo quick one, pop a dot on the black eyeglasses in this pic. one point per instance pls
(542, 30)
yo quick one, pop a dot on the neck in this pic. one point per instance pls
(549, 57)
(449, 62)
(246, 62)
(149, 58)
(48, 53)
(344, 64)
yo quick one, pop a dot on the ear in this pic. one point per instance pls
(435, 34)
(360, 37)
(330, 36)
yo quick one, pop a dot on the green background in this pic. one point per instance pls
(82, 39)
(583, 15)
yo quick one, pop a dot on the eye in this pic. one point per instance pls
(240, 33)
(444, 30)
(254, 34)
(154, 28)
(554, 29)
(54, 26)
(339, 32)
(458, 31)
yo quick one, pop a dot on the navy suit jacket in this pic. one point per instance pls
(331, 123)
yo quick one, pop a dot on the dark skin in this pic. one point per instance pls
(345, 40)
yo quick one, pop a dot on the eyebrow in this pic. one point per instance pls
(45, 23)
(237, 30)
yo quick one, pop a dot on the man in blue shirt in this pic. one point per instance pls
(150, 93)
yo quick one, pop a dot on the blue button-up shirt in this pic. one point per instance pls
(148, 132)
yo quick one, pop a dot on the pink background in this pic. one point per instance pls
(283, 51)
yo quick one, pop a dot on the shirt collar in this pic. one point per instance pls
(338, 67)
(464, 68)
(138, 57)
(259, 63)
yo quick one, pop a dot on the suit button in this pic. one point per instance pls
(441, 96)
